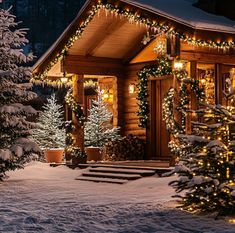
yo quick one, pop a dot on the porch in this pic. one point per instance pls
(115, 52)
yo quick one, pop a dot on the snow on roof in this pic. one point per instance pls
(184, 12)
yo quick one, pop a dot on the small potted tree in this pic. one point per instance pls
(98, 129)
(50, 133)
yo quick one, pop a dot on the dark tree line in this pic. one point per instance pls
(46, 19)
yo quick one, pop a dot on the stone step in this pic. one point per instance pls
(112, 175)
(126, 167)
(123, 171)
(100, 179)
(158, 170)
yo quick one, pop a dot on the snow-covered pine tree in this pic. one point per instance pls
(15, 147)
(206, 166)
(98, 129)
(50, 132)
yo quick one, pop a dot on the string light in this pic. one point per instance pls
(163, 67)
(71, 147)
(132, 17)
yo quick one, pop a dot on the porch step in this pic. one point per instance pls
(104, 180)
(116, 174)
(145, 172)
(112, 175)
(157, 170)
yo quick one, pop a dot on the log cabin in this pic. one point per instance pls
(111, 42)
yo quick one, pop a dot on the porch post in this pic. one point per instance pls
(78, 93)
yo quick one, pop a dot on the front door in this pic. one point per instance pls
(158, 135)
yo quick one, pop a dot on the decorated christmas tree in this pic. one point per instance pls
(15, 147)
(206, 165)
(50, 132)
(205, 152)
(98, 129)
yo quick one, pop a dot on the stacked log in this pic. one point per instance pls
(127, 148)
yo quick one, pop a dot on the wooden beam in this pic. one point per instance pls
(218, 84)
(92, 65)
(100, 37)
(78, 93)
(208, 57)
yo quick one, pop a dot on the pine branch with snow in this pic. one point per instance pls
(206, 167)
(15, 127)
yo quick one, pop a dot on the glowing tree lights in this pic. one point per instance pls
(206, 166)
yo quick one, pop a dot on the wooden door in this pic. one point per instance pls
(158, 136)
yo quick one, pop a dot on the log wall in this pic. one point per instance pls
(130, 102)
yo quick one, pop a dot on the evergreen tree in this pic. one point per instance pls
(98, 129)
(50, 132)
(15, 147)
(206, 166)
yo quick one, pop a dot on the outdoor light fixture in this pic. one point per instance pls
(178, 65)
(203, 81)
(105, 95)
(131, 88)
(232, 77)
(64, 80)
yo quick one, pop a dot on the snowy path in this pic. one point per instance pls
(44, 199)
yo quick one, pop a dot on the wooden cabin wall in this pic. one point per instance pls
(130, 102)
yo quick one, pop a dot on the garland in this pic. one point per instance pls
(75, 107)
(168, 102)
(168, 113)
(132, 17)
(164, 68)
(182, 77)
(71, 147)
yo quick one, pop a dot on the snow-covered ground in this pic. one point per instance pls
(44, 199)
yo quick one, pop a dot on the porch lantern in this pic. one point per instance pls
(178, 65)
(131, 88)
(64, 79)
(232, 78)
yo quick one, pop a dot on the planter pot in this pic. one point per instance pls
(76, 161)
(54, 155)
(94, 154)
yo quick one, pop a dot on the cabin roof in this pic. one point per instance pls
(184, 12)
(179, 12)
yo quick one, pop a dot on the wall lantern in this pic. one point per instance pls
(178, 65)
(232, 78)
(64, 79)
(131, 88)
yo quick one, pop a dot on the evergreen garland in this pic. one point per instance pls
(164, 67)
(71, 147)
(184, 94)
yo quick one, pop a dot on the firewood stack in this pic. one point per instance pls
(126, 148)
